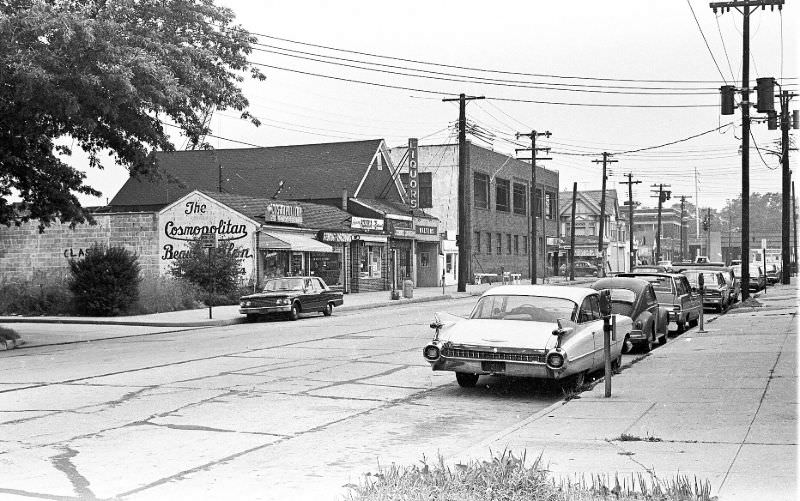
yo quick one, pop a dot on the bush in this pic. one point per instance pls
(220, 273)
(105, 282)
(158, 293)
(46, 295)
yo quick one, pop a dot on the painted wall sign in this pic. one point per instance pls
(413, 179)
(283, 213)
(365, 223)
(224, 230)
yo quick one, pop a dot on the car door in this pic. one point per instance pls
(686, 298)
(311, 296)
(592, 331)
(650, 304)
(325, 295)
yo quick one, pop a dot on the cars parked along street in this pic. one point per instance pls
(534, 331)
(582, 269)
(716, 293)
(635, 298)
(758, 280)
(674, 293)
(291, 296)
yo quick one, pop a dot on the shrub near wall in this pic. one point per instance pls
(106, 281)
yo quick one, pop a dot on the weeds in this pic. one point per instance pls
(507, 477)
(625, 437)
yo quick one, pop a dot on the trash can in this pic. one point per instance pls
(408, 289)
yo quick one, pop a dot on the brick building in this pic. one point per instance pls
(500, 213)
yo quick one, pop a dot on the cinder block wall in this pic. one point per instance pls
(26, 254)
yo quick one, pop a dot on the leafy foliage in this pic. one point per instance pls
(219, 273)
(109, 76)
(106, 281)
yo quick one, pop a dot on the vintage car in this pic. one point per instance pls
(674, 293)
(716, 293)
(758, 280)
(773, 273)
(293, 296)
(734, 284)
(635, 298)
(532, 331)
(582, 269)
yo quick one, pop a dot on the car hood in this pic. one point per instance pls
(501, 333)
(270, 295)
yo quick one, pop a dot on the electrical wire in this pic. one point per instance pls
(689, 3)
(724, 48)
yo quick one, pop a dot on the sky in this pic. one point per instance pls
(652, 71)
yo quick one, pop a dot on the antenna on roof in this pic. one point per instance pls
(277, 192)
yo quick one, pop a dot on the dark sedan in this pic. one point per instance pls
(716, 292)
(582, 269)
(293, 296)
(635, 298)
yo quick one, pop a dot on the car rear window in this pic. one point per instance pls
(624, 295)
(526, 308)
(660, 284)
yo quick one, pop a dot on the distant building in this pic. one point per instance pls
(587, 229)
(645, 224)
(500, 211)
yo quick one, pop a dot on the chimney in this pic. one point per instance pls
(344, 199)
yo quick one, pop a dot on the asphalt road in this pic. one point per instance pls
(256, 411)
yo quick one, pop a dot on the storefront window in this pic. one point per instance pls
(327, 266)
(449, 263)
(276, 263)
(371, 261)
(424, 259)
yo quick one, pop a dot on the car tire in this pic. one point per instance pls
(466, 380)
(328, 311)
(695, 321)
(681, 326)
(616, 363)
(294, 313)
(649, 343)
(627, 346)
(573, 383)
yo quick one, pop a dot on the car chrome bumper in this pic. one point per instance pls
(264, 310)
(514, 369)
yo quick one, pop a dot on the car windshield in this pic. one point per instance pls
(284, 284)
(709, 278)
(529, 308)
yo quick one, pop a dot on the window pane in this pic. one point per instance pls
(481, 188)
(499, 243)
(488, 243)
(477, 243)
(502, 191)
(425, 190)
(508, 244)
(520, 207)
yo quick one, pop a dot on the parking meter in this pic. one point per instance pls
(605, 311)
(700, 283)
(605, 302)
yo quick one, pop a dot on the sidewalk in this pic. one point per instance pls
(229, 315)
(719, 406)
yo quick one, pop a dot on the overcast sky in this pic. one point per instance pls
(620, 48)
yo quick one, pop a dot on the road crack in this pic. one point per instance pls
(63, 463)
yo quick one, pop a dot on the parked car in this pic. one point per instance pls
(758, 280)
(674, 293)
(534, 331)
(773, 273)
(651, 268)
(635, 298)
(716, 293)
(666, 264)
(582, 269)
(292, 296)
(701, 259)
(734, 284)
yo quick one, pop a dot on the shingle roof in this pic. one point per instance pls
(390, 207)
(312, 171)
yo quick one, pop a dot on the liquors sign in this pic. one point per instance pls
(413, 178)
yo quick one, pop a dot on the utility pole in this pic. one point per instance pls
(662, 197)
(464, 198)
(534, 199)
(572, 232)
(708, 233)
(683, 233)
(794, 217)
(630, 182)
(745, 7)
(601, 238)
(786, 177)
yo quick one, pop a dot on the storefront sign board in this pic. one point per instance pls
(277, 212)
(366, 223)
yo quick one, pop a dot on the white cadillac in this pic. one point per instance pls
(535, 331)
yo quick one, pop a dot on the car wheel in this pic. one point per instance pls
(663, 339)
(627, 346)
(649, 344)
(466, 380)
(681, 326)
(252, 317)
(573, 383)
(616, 364)
(294, 313)
(328, 311)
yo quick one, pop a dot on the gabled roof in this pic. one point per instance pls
(592, 198)
(395, 208)
(311, 171)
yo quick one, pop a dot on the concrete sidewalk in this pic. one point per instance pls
(229, 315)
(719, 406)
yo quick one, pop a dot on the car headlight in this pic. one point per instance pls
(283, 300)
(431, 352)
(555, 360)
(245, 304)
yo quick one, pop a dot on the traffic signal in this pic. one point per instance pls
(727, 101)
(765, 92)
(666, 195)
(706, 224)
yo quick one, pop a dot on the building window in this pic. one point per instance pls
(502, 192)
(508, 243)
(525, 245)
(488, 243)
(499, 243)
(477, 242)
(520, 207)
(516, 244)
(424, 259)
(550, 204)
(371, 260)
(481, 189)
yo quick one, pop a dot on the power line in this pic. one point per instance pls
(706, 41)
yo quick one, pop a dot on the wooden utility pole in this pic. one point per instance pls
(786, 176)
(534, 199)
(631, 255)
(662, 197)
(572, 232)
(746, 7)
(794, 217)
(464, 198)
(683, 233)
(708, 233)
(601, 238)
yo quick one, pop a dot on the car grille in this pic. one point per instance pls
(491, 355)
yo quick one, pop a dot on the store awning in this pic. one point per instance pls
(281, 240)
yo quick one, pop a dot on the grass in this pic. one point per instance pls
(507, 477)
(625, 437)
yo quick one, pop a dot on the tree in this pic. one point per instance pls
(106, 281)
(219, 272)
(109, 76)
